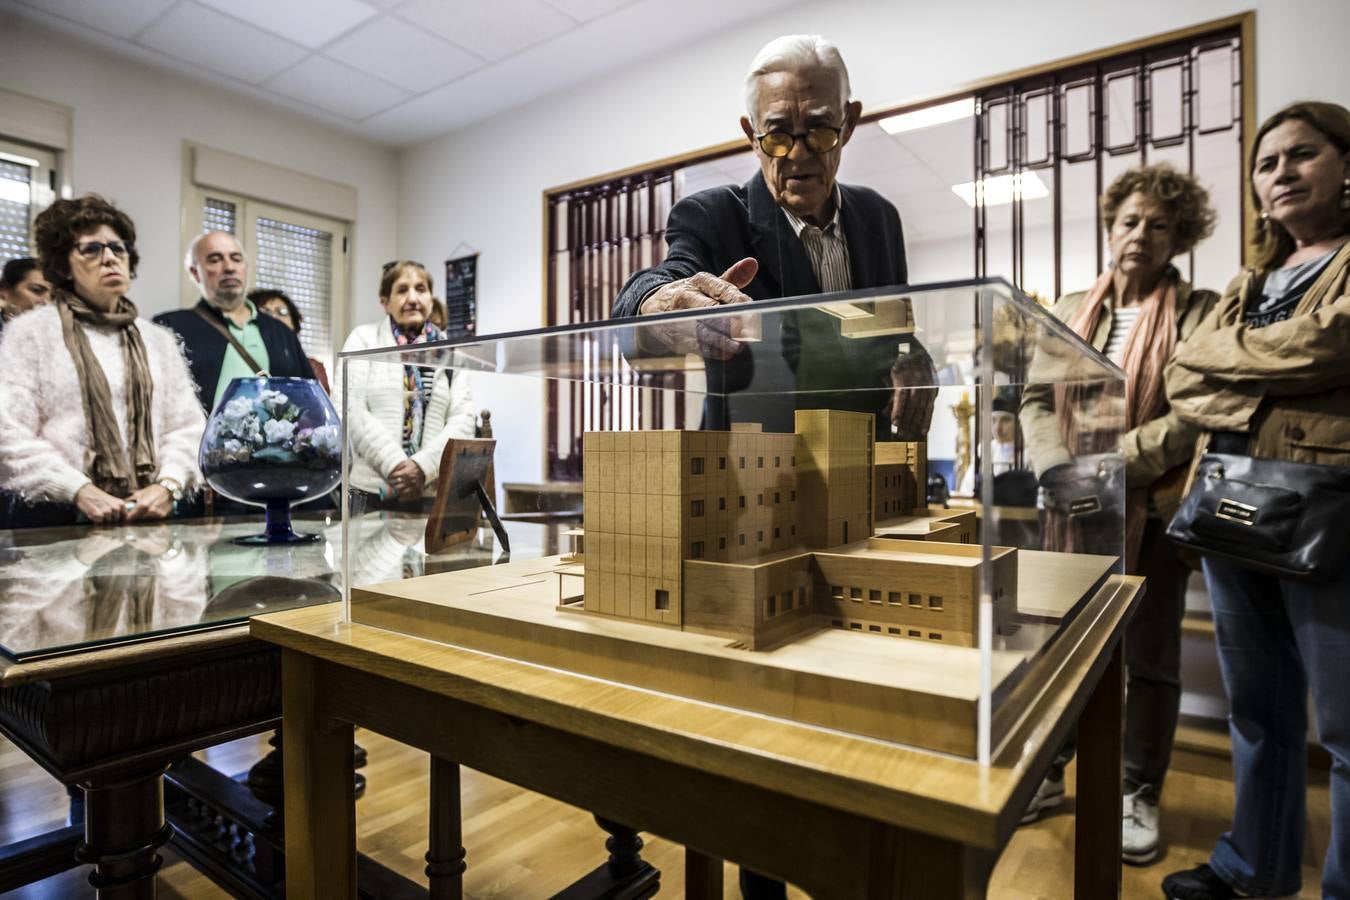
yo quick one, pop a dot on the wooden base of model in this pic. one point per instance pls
(918, 692)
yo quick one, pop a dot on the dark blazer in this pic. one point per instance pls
(205, 348)
(711, 230)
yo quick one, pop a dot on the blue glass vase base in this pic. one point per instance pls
(278, 529)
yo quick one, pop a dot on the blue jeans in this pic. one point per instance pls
(1276, 639)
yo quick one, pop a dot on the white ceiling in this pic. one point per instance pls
(392, 71)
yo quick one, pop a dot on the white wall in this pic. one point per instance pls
(482, 184)
(130, 122)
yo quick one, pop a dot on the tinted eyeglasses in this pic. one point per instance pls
(820, 139)
(93, 250)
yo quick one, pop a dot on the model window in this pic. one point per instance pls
(759, 499)
(721, 462)
(787, 600)
(696, 465)
(894, 598)
(855, 593)
(742, 462)
(893, 630)
(695, 508)
(741, 539)
(721, 543)
(721, 502)
(876, 628)
(759, 537)
(874, 596)
(792, 529)
(837, 623)
(801, 596)
(837, 591)
(935, 602)
(777, 462)
(696, 550)
(856, 626)
(775, 533)
(772, 609)
(760, 464)
(777, 497)
(662, 599)
(740, 502)
(914, 632)
(934, 636)
(794, 460)
(792, 495)
(916, 599)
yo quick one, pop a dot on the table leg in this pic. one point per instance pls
(702, 876)
(320, 806)
(123, 830)
(1096, 870)
(445, 854)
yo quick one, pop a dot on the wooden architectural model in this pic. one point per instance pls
(758, 536)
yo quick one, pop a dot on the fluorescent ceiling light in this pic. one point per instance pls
(1001, 189)
(932, 115)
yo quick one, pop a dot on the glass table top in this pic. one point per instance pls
(63, 590)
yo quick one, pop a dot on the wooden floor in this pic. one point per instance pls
(522, 845)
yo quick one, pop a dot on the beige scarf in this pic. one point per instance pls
(1148, 347)
(106, 460)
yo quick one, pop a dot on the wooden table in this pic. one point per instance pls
(837, 815)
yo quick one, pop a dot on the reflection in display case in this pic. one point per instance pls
(787, 530)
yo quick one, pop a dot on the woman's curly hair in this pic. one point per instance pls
(58, 227)
(1186, 202)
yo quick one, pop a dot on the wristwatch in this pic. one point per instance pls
(174, 488)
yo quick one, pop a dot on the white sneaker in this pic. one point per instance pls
(1049, 795)
(1139, 828)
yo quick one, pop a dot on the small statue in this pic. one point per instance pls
(962, 411)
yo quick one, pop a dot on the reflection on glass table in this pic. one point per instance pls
(68, 589)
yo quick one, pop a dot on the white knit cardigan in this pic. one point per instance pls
(374, 413)
(43, 433)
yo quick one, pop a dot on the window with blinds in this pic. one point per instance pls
(297, 260)
(219, 215)
(15, 208)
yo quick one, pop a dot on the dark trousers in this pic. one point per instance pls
(1152, 665)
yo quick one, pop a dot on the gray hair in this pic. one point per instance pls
(790, 53)
(190, 257)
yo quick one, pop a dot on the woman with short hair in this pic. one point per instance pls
(1269, 376)
(1136, 313)
(98, 421)
(276, 304)
(399, 418)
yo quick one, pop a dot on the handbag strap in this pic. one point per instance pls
(234, 342)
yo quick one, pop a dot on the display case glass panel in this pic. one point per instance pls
(874, 511)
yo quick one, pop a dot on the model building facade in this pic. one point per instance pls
(686, 527)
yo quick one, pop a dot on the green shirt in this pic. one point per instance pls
(233, 365)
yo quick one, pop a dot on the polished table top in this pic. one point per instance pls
(68, 590)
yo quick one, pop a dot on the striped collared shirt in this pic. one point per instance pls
(827, 248)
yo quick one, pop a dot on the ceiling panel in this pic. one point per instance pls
(583, 10)
(491, 30)
(402, 54)
(235, 48)
(312, 23)
(125, 20)
(337, 89)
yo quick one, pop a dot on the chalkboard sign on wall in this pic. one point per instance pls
(461, 296)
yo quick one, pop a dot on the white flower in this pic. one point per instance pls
(325, 439)
(232, 446)
(273, 401)
(237, 408)
(278, 430)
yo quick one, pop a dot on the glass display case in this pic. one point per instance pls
(872, 511)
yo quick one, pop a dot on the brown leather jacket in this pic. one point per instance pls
(1287, 385)
(1150, 450)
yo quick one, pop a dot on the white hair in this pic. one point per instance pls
(790, 53)
(190, 257)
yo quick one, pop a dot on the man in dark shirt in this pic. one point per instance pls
(789, 231)
(217, 265)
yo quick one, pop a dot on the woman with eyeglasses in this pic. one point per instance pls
(282, 308)
(400, 417)
(98, 421)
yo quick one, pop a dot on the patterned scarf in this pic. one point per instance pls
(1148, 347)
(416, 386)
(106, 461)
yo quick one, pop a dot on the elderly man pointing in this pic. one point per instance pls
(791, 230)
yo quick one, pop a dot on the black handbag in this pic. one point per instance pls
(1089, 489)
(1281, 518)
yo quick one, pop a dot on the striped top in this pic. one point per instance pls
(1122, 321)
(826, 248)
